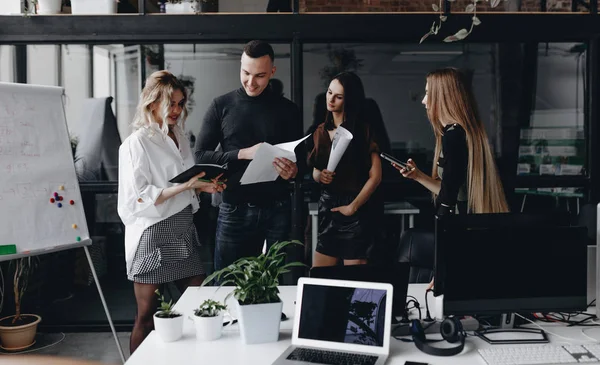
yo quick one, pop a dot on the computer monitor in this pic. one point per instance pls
(508, 263)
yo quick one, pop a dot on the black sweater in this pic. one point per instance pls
(236, 121)
(454, 164)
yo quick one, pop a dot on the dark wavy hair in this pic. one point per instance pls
(354, 115)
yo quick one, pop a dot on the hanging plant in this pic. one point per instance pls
(463, 33)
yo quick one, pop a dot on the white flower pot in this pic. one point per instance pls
(259, 323)
(184, 7)
(208, 328)
(13, 7)
(169, 329)
(49, 6)
(79, 7)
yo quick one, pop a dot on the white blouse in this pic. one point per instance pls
(148, 159)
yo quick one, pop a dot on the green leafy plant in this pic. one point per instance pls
(166, 308)
(463, 33)
(256, 278)
(209, 308)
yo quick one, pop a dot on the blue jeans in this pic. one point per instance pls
(243, 228)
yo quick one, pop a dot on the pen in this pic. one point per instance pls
(226, 323)
(205, 180)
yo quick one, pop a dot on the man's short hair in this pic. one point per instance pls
(257, 49)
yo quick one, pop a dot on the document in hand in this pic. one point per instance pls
(341, 140)
(261, 167)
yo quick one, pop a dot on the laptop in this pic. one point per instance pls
(396, 274)
(340, 322)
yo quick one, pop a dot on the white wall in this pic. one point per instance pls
(76, 71)
(128, 85)
(42, 65)
(7, 58)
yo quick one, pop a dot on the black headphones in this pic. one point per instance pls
(451, 330)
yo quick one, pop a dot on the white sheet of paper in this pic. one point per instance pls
(261, 167)
(341, 140)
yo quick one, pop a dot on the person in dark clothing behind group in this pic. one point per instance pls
(240, 121)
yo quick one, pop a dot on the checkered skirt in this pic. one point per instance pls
(168, 251)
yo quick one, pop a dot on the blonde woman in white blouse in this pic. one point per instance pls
(161, 242)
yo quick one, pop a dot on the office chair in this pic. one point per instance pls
(417, 247)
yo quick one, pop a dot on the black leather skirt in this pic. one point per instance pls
(340, 236)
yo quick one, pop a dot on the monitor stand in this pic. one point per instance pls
(507, 333)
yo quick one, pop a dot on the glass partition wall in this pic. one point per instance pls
(534, 99)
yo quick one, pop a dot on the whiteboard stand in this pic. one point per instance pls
(35, 160)
(112, 326)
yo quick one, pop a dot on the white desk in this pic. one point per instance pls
(229, 349)
(395, 208)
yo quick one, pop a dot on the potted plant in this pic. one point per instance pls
(209, 320)
(45, 7)
(191, 6)
(167, 322)
(180, 6)
(17, 332)
(257, 302)
(94, 7)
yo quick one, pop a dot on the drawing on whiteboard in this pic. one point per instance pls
(25, 190)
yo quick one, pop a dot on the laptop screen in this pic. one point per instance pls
(343, 314)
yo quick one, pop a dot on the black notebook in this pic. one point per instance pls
(211, 170)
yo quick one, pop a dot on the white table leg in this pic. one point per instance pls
(411, 221)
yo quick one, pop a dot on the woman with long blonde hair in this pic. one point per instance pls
(464, 177)
(161, 242)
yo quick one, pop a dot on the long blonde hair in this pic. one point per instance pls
(451, 99)
(159, 89)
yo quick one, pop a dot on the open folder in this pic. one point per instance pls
(261, 167)
(211, 171)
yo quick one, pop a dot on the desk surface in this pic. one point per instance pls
(229, 349)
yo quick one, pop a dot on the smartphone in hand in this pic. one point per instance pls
(393, 159)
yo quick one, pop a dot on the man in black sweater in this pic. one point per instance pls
(240, 121)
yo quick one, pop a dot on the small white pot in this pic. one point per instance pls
(169, 329)
(259, 323)
(49, 6)
(80, 7)
(183, 7)
(209, 328)
(13, 7)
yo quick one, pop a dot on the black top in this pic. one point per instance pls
(352, 172)
(236, 121)
(452, 169)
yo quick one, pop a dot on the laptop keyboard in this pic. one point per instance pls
(331, 357)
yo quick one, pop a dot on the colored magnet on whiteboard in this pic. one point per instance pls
(78, 238)
(55, 194)
(61, 187)
(71, 202)
(52, 200)
(74, 226)
(59, 205)
(60, 198)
